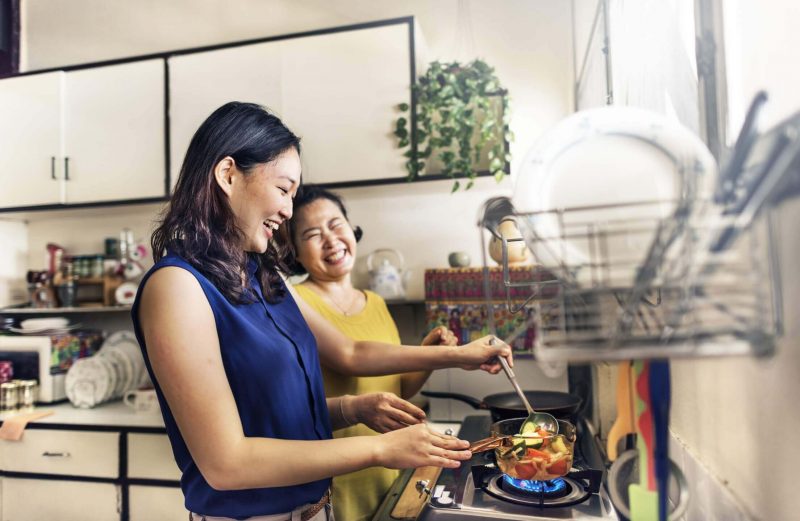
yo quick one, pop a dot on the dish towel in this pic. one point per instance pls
(14, 426)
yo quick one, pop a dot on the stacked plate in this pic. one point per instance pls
(117, 368)
(44, 326)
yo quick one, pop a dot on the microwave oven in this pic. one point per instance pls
(47, 358)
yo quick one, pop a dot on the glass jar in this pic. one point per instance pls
(27, 394)
(9, 396)
(97, 266)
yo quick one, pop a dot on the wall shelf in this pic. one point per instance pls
(62, 311)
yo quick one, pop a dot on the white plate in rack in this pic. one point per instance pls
(594, 167)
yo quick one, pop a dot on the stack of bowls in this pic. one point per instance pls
(117, 368)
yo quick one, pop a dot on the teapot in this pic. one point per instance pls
(386, 279)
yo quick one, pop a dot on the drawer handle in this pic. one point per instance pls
(48, 454)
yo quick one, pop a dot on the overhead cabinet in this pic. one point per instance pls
(338, 91)
(114, 133)
(30, 140)
(105, 133)
(81, 136)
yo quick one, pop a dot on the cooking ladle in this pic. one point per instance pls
(544, 420)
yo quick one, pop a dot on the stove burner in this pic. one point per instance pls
(551, 488)
(562, 491)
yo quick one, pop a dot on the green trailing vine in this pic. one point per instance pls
(462, 119)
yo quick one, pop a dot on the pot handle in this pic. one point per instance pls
(474, 402)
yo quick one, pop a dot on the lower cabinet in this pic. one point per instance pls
(156, 503)
(76, 474)
(41, 499)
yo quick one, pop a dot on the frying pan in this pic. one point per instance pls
(503, 406)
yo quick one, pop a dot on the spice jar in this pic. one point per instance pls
(9, 396)
(26, 394)
(6, 371)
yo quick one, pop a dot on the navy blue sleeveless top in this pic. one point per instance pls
(271, 360)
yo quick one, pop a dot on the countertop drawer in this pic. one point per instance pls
(44, 499)
(150, 457)
(70, 453)
(161, 503)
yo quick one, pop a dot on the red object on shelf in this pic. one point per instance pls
(454, 297)
(467, 283)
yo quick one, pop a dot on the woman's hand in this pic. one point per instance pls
(382, 412)
(482, 354)
(419, 446)
(440, 336)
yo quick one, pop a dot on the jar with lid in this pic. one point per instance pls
(27, 394)
(9, 396)
(97, 266)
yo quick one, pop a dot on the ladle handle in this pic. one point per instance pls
(513, 379)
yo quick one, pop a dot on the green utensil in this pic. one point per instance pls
(643, 495)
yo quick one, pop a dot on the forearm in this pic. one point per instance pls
(269, 462)
(411, 383)
(368, 358)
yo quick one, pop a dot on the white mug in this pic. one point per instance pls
(141, 399)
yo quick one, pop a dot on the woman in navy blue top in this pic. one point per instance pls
(235, 357)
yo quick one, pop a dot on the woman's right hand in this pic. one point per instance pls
(482, 354)
(419, 446)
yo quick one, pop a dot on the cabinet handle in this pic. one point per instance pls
(48, 454)
(52, 167)
(66, 168)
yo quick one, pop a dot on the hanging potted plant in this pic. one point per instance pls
(460, 120)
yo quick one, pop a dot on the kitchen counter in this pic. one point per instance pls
(111, 415)
(116, 415)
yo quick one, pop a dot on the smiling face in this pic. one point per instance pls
(262, 200)
(326, 245)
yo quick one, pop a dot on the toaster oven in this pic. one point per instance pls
(47, 358)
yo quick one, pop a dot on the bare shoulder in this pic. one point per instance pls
(172, 297)
(171, 284)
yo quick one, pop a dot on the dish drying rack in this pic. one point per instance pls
(606, 306)
(707, 284)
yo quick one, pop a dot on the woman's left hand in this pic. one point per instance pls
(440, 336)
(482, 354)
(384, 412)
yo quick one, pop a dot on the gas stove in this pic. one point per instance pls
(479, 491)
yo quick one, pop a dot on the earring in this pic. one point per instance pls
(358, 233)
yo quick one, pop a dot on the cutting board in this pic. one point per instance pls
(411, 500)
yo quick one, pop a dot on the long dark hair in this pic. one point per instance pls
(199, 225)
(307, 194)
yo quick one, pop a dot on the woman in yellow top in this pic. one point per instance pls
(325, 245)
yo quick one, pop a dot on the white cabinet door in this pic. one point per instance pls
(150, 457)
(114, 132)
(33, 499)
(75, 453)
(202, 82)
(340, 95)
(30, 140)
(161, 503)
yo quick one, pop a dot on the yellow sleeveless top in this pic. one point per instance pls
(356, 496)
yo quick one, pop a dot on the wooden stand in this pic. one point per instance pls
(105, 287)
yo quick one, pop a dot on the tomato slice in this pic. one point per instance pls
(533, 453)
(525, 470)
(559, 467)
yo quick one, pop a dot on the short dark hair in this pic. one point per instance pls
(307, 194)
(199, 225)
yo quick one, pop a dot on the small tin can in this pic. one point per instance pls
(27, 394)
(6, 371)
(9, 396)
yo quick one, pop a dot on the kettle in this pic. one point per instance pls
(387, 279)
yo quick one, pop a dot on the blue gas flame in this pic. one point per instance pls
(536, 487)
